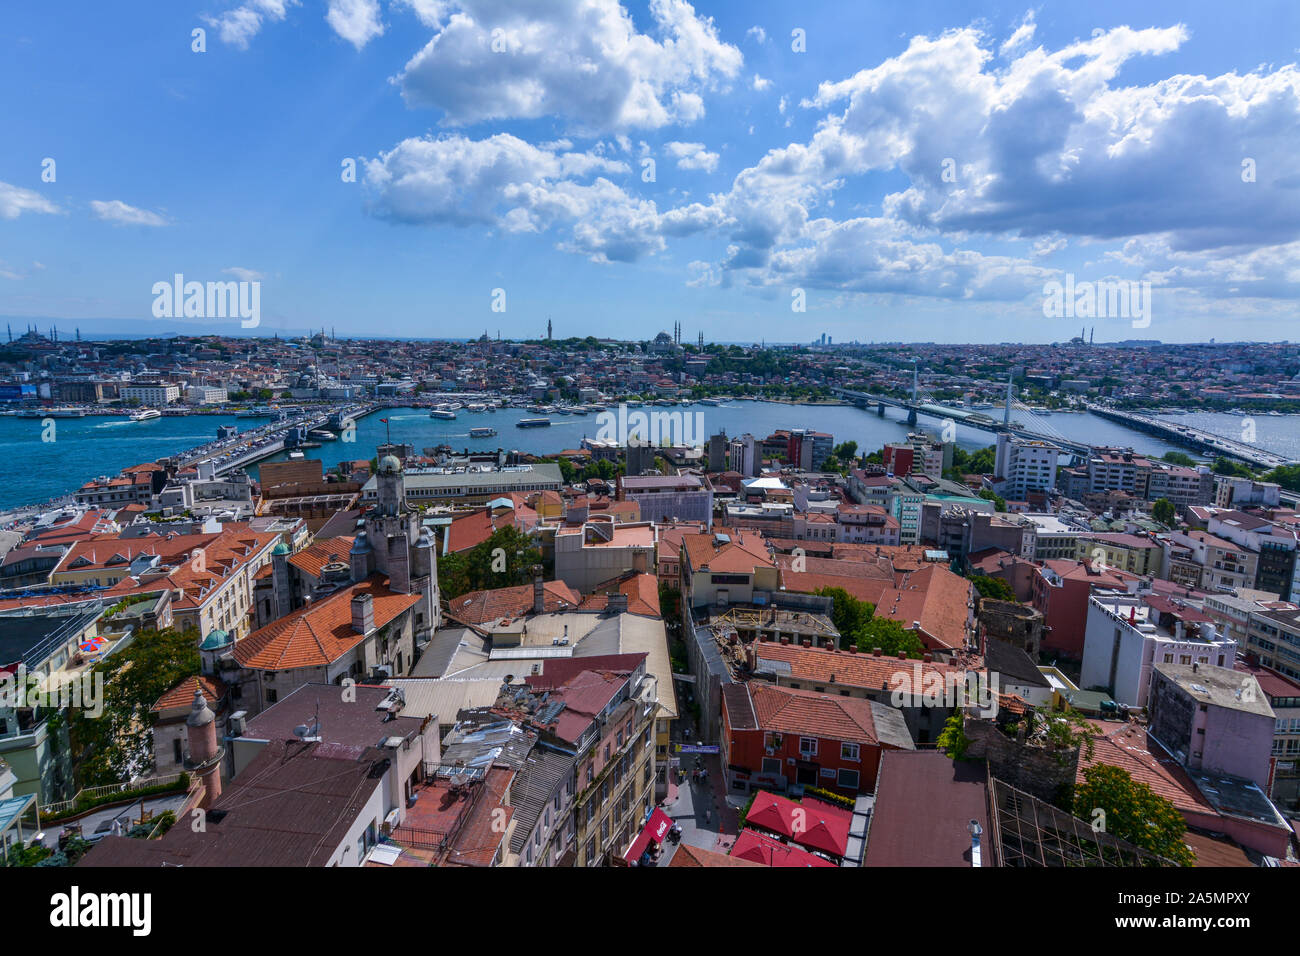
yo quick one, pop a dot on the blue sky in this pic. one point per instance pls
(919, 171)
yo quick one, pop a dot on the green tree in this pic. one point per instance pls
(115, 745)
(993, 588)
(1133, 812)
(848, 614)
(952, 739)
(1178, 458)
(999, 503)
(845, 450)
(505, 559)
(1288, 476)
(891, 637)
(1163, 511)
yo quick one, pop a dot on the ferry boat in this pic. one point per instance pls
(145, 414)
(321, 434)
(296, 455)
(711, 401)
(485, 431)
(476, 407)
(442, 412)
(533, 423)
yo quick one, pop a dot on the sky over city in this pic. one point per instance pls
(756, 170)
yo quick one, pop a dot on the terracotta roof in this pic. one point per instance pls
(182, 695)
(819, 665)
(320, 633)
(1128, 747)
(479, 607)
(314, 558)
(693, 856)
(805, 712)
(642, 592)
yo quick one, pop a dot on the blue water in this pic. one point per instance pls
(87, 447)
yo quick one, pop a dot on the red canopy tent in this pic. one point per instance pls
(825, 827)
(758, 848)
(772, 812)
(656, 829)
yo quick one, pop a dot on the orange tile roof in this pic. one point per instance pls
(1128, 747)
(182, 695)
(313, 559)
(320, 633)
(806, 712)
(819, 665)
(479, 607)
(693, 856)
(642, 592)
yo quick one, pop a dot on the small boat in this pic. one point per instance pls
(442, 412)
(476, 407)
(533, 423)
(321, 434)
(711, 401)
(485, 431)
(296, 455)
(145, 414)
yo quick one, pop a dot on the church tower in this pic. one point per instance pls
(394, 543)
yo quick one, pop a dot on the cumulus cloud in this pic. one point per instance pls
(506, 183)
(692, 156)
(239, 25)
(760, 83)
(120, 214)
(758, 33)
(356, 21)
(582, 61)
(244, 275)
(14, 201)
(1047, 148)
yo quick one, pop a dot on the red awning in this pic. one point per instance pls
(656, 829)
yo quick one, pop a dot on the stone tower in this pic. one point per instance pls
(205, 755)
(395, 544)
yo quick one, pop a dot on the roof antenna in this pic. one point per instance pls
(310, 734)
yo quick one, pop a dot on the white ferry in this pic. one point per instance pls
(485, 431)
(443, 412)
(145, 414)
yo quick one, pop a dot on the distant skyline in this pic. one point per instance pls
(912, 173)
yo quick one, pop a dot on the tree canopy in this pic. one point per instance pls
(505, 559)
(1132, 811)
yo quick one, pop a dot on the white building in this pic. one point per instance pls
(159, 394)
(1124, 641)
(205, 395)
(1022, 466)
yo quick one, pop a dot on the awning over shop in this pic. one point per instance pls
(656, 829)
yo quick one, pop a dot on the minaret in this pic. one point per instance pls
(548, 329)
(205, 755)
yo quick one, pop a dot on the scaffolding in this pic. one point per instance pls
(1029, 832)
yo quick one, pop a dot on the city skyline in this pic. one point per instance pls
(725, 166)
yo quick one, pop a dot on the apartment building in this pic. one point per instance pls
(1225, 565)
(1022, 466)
(159, 393)
(1127, 635)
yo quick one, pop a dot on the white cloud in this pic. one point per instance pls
(758, 33)
(14, 201)
(692, 156)
(356, 21)
(759, 83)
(244, 275)
(120, 214)
(506, 183)
(241, 24)
(582, 61)
(1023, 35)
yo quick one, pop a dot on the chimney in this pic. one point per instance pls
(853, 648)
(616, 603)
(877, 652)
(639, 561)
(363, 613)
(539, 591)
